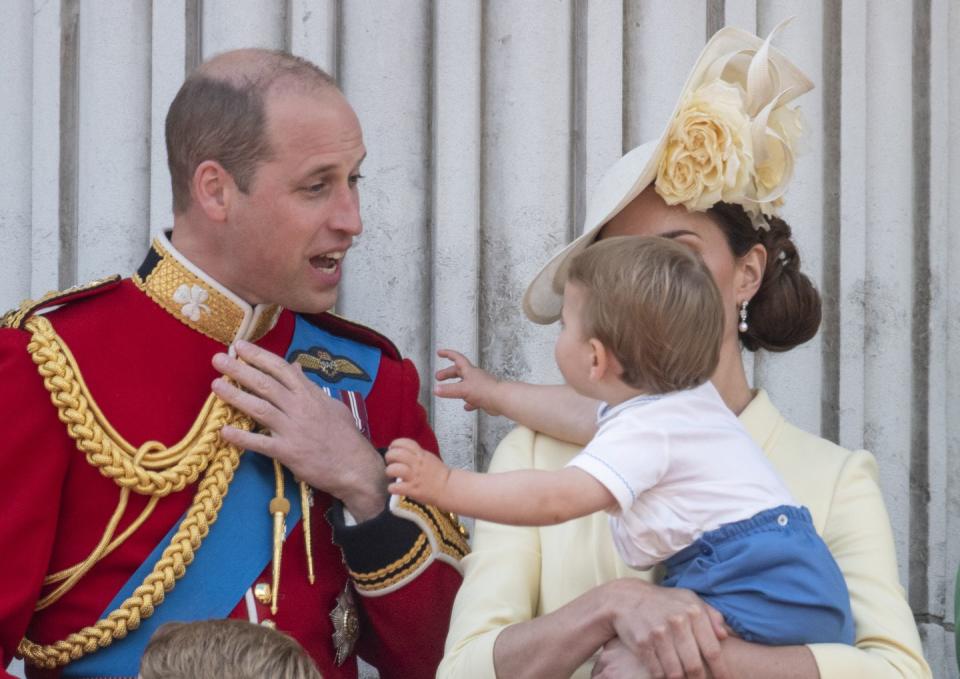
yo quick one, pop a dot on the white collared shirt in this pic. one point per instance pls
(679, 465)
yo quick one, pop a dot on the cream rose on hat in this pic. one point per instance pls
(732, 138)
(708, 155)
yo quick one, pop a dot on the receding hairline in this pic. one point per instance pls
(264, 70)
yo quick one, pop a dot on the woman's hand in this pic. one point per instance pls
(616, 661)
(476, 387)
(671, 632)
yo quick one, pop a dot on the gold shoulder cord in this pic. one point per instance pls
(153, 470)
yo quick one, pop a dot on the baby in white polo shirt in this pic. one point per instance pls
(683, 482)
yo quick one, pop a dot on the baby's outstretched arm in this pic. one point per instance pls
(556, 410)
(520, 498)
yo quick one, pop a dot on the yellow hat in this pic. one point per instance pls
(730, 138)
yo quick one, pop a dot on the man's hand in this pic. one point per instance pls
(311, 434)
(477, 388)
(419, 474)
(671, 632)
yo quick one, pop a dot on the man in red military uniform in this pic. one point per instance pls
(128, 499)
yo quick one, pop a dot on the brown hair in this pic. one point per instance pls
(219, 114)
(785, 311)
(224, 648)
(655, 306)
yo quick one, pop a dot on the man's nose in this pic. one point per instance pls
(346, 212)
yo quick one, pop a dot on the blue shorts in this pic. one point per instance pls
(771, 576)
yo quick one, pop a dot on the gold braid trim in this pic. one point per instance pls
(202, 449)
(152, 469)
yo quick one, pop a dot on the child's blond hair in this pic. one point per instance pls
(654, 305)
(224, 648)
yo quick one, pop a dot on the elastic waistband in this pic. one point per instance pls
(776, 518)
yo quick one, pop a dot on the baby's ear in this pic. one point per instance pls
(603, 362)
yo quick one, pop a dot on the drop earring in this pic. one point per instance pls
(743, 317)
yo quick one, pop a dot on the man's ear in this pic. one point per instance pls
(749, 273)
(603, 362)
(212, 188)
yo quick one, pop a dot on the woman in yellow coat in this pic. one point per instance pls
(558, 601)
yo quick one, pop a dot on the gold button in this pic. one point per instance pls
(262, 592)
(269, 623)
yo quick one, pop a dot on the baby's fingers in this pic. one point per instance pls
(398, 470)
(459, 360)
(448, 373)
(452, 390)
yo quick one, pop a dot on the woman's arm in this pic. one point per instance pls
(857, 531)
(494, 624)
(743, 659)
(671, 631)
(556, 410)
(524, 497)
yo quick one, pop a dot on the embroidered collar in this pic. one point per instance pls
(607, 411)
(198, 301)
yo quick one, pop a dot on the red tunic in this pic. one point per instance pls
(150, 374)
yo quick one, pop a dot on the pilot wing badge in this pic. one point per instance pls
(330, 367)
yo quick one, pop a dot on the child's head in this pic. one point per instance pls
(224, 648)
(654, 306)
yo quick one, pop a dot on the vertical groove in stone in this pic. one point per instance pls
(193, 14)
(69, 141)
(578, 117)
(627, 142)
(430, 177)
(830, 254)
(338, 41)
(716, 14)
(920, 328)
(481, 456)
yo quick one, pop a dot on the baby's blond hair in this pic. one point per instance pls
(224, 648)
(653, 304)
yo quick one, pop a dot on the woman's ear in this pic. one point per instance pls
(211, 188)
(749, 274)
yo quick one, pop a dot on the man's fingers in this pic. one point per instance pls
(261, 410)
(269, 363)
(251, 379)
(247, 440)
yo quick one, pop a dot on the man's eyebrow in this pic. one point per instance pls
(324, 169)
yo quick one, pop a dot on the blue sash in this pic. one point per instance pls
(240, 543)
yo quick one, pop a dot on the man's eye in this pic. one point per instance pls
(355, 178)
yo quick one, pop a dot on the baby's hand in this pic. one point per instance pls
(476, 386)
(416, 473)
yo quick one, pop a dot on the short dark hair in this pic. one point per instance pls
(224, 118)
(224, 648)
(654, 304)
